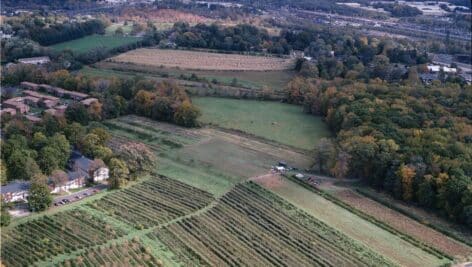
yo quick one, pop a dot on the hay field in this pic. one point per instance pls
(194, 60)
(279, 122)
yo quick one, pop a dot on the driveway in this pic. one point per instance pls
(61, 200)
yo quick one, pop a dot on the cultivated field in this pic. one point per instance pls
(48, 236)
(129, 253)
(193, 60)
(153, 202)
(386, 243)
(252, 227)
(404, 224)
(91, 42)
(276, 79)
(283, 123)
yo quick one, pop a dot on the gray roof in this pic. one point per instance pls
(15, 186)
(75, 175)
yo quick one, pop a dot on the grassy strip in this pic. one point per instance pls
(413, 216)
(374, 221)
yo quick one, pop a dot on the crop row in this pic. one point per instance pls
(129, 253)
(152, 202)
(251, 226)
(48, 236)
(162, 128)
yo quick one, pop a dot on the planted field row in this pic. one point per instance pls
(152, 202)
(251, 226)
(130, 253)
(164, 128)
(43, 238)
(165, 143)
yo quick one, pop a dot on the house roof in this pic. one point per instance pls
(15, 186)
(75, 175)
(80, 161)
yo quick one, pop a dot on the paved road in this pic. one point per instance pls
(79, 195)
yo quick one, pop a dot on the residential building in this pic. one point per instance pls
(87, 102)
(15, 191)
(74, 180)
(30, 86)
(80, 163)
(33, 119)
(16, 103)
(10, 111)
(34, 60)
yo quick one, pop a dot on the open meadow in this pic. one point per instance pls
(283, 123)
(88, 43)
(195, 60)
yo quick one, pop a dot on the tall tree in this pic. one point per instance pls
(119, 173)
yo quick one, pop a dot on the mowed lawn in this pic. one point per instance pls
(283, 123)
(90, 42)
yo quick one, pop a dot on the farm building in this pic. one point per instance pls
(15, 191)
(34, 60)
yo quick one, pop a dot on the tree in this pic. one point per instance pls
(3, 173)
(407, 175)
(5, 216)
(59, 178)
(77, 112)
(162, 109)
(138, 157)
(60, 143)
(74, 132)
(102, 134)
(89, 143)
(341, 167)
(39, 141)
(39, 198)
(324, 155)
(21, 165)
(119, 173)
(119, 31)
(426, 194)
(48, 159)
(186, 115)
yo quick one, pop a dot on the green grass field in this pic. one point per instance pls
(283, 123)
(90, 42)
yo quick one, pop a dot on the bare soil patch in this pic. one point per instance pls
(194, 60)
(404, 224)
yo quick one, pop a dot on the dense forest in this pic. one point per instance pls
(412, 141)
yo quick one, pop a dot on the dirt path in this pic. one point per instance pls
(404, 224)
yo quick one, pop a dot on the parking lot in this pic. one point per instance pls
(62, 200)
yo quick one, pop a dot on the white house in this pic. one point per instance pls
(15, 191)
(74, 180)
(34, 60)
(83, 164)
